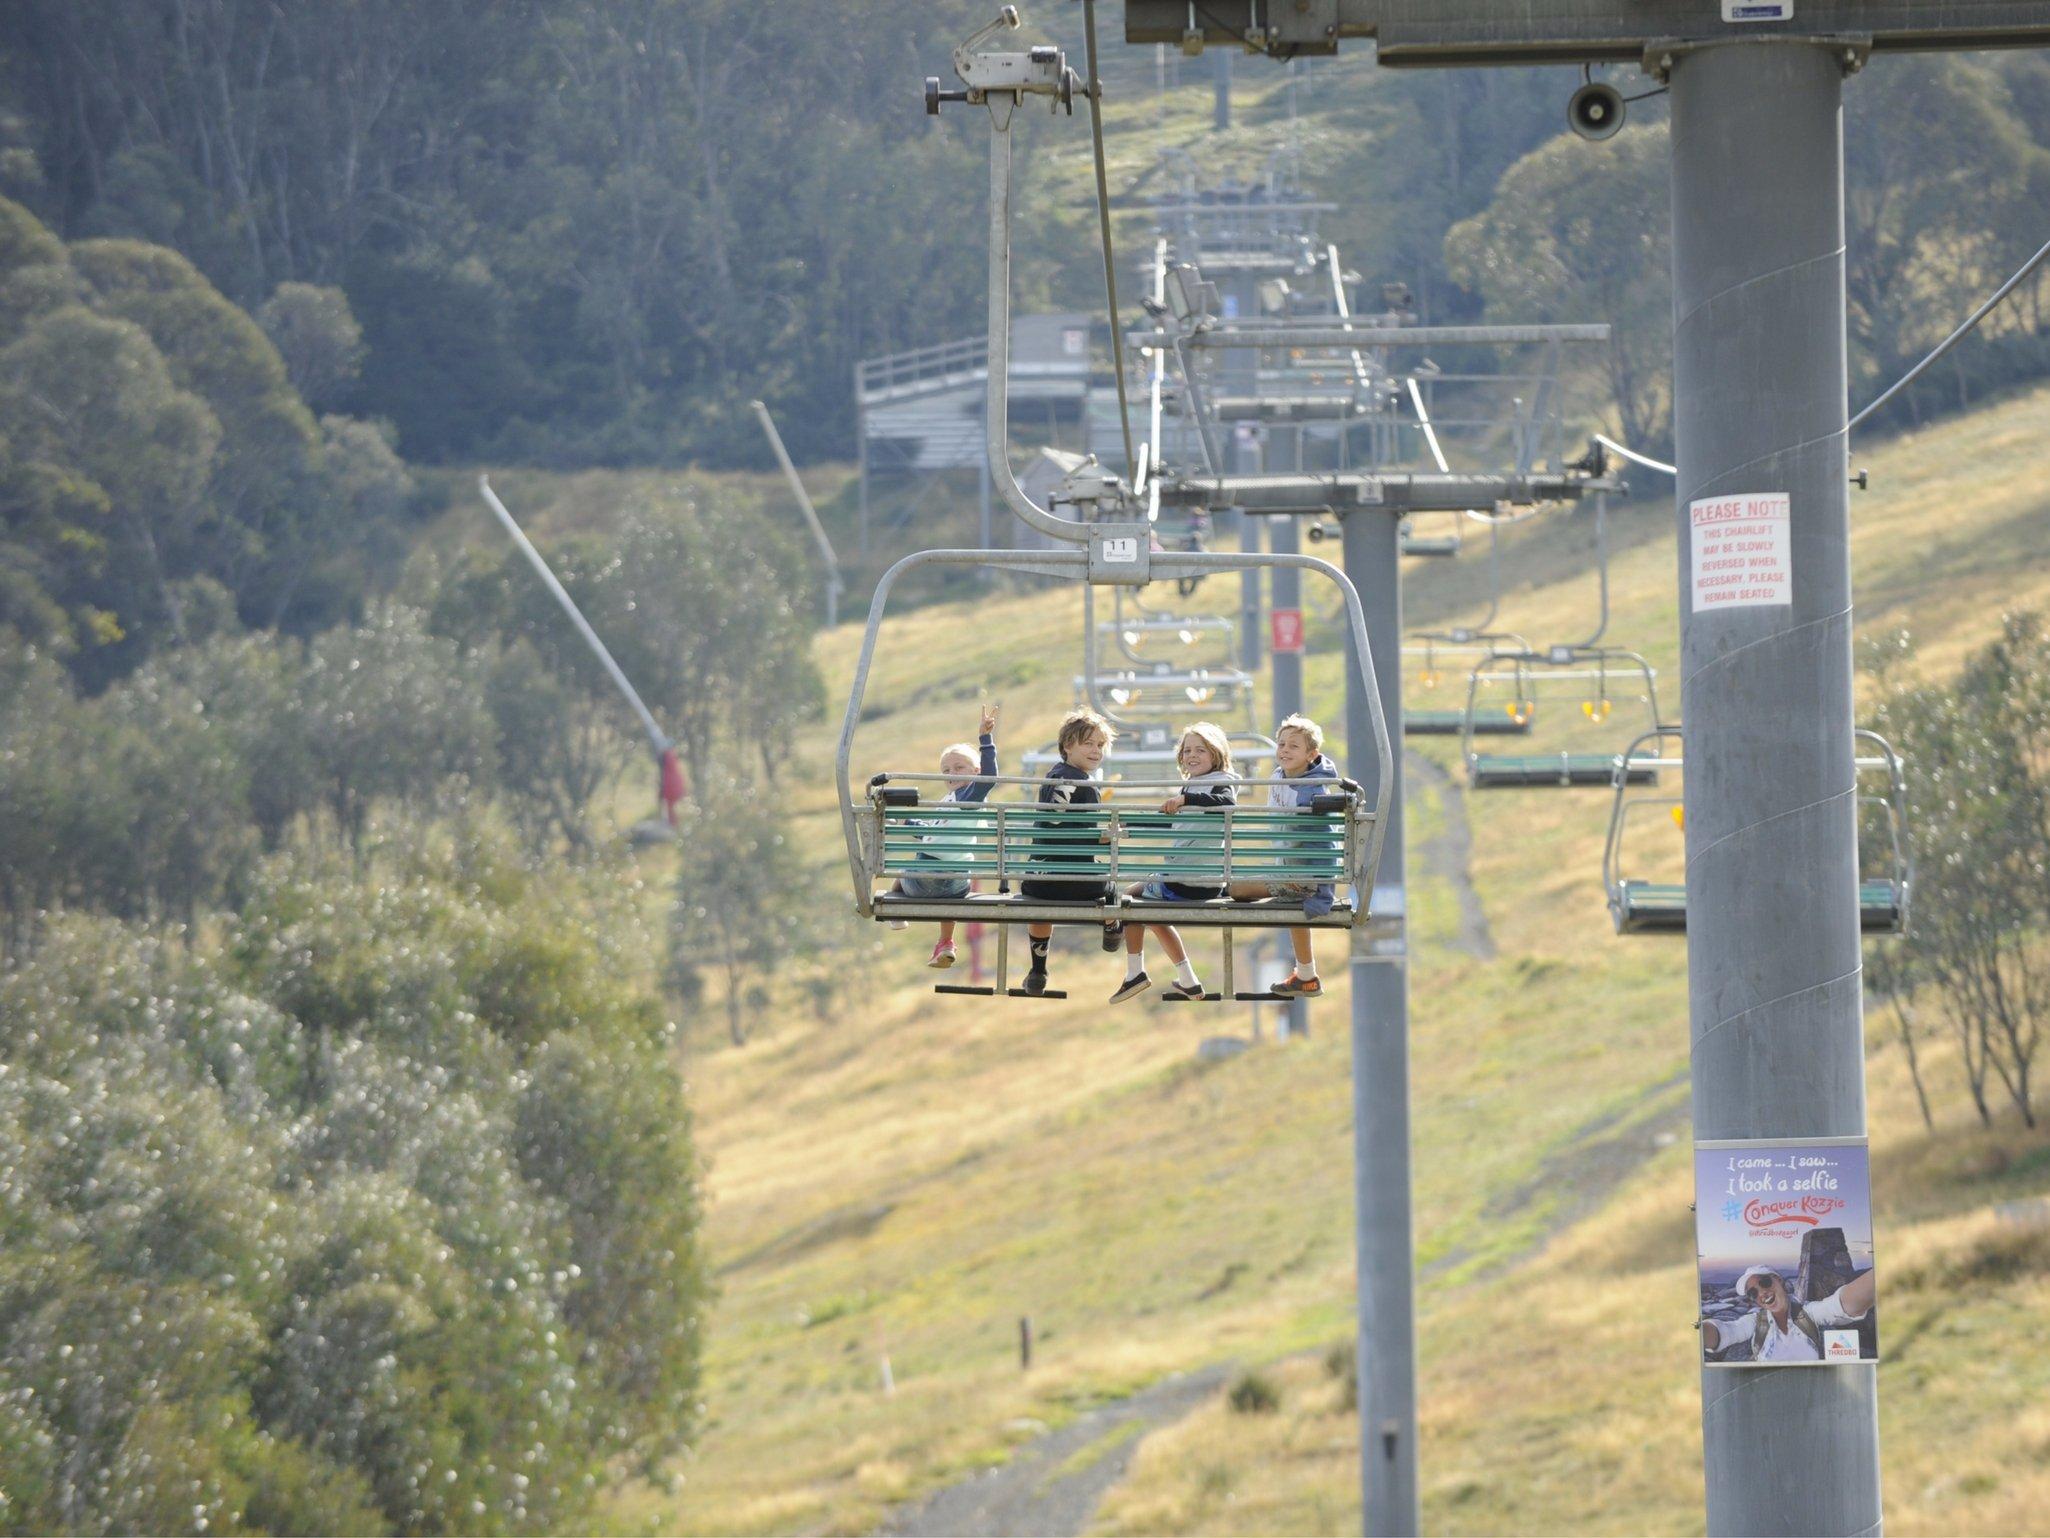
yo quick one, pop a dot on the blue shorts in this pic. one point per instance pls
(1158, 889)
(934, 886)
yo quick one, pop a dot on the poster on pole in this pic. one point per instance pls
(1285, 627)
(1783, 1242)
(1741, 551)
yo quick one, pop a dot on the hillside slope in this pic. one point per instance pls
(904, 1181)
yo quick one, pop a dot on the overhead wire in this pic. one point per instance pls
(1935, 355)
(1110, 271)
(1955, 337)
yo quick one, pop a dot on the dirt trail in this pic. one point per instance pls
(1051, 1486)
(1449, 856)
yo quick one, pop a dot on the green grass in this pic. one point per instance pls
(911, 1175)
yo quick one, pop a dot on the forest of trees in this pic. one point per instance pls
(590, 232)
(346, 1178)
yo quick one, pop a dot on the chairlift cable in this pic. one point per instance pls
(1110, 271)
(1634, 457)
(1955, 337)
(1936, 354)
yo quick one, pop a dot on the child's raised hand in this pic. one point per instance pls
(989, 719)
(1174, 804)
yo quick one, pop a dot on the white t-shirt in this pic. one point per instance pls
(1789, 1344)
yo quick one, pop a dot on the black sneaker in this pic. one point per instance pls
(1131, 988)
(1113, 937)
(1035, 982)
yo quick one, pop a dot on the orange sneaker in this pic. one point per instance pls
(1293, 987)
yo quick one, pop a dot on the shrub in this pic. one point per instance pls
(1253, 1394)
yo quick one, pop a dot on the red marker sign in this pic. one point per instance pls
(1285, 629)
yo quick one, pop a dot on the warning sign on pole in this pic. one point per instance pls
(1741, 551)
(1285, 627)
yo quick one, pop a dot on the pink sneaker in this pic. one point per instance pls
(942, 955)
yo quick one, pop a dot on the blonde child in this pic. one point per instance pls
(1298, 755)
(969, 772)
(1204, 755)
(1084, 738)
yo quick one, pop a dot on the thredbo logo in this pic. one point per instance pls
(1758, 10)
(1840, 1345)
(1121, 548)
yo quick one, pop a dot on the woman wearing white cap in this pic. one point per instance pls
(1781, 1330)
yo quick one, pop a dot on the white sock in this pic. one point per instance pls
(1185, 969)
(1306, 970)
(1135, 963)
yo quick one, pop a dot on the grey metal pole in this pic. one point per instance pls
(1380, 1079)
(1771, 813)
(657, 738)
(1252, 617)
(811, 514)
(1220, 102)
(1287, 593)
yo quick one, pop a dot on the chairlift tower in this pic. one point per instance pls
(1760, 410)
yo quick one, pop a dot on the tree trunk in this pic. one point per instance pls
(1904, 1016)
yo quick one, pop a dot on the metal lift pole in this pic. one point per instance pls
(811, 514)
(656, 736)
(1380, 1079)
(1773, 972)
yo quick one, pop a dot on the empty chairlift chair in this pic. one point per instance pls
(1436, 542)
(1434, 665)
(1575, 704)
(1643, 862)
(1145, 637)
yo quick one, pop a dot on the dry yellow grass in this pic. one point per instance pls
(909, 1176)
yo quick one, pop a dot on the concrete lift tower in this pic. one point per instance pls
(1759, 388)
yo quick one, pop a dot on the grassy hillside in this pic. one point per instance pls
(906, 1179)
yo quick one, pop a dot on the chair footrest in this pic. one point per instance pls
(966, 988)
(1269, 998)
(1183, 998)
(1051, 993)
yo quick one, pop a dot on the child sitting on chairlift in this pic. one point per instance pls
(1084, 738)
(1298, 755)
(1204, 755)
(969, 773)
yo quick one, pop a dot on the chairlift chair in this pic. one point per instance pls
(893, 829)
(1579, 686)
(1432, 658)
(1638, 905)
(1337, 839)
(1415, 543)
(1142, 635)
